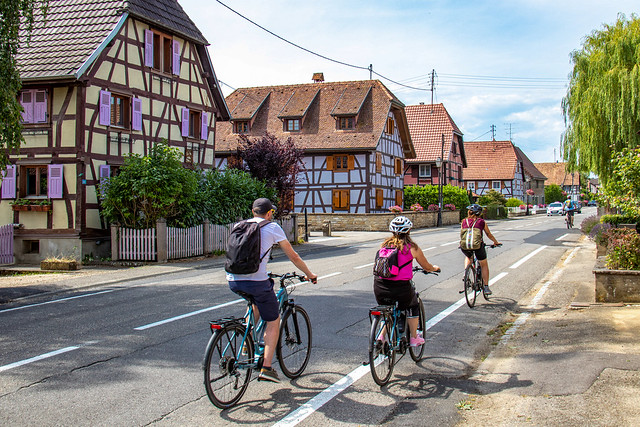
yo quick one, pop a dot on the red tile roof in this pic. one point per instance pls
(487, 160)
(370, 99)
(427, 124)
(556, 174)
(528, 166)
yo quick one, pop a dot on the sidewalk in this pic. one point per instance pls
(572, 362)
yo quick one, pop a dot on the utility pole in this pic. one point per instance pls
(509, 131)
(493, 132)
(433, 85)
(370, 71)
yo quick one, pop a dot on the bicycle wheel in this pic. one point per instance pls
(470, 285)
(224, 381)
(416, 352)
(294, 344)
(568, 221)
(381, 353)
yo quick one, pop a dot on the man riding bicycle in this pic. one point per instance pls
(569, 209)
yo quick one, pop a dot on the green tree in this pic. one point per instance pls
(492, 198)
(623, 190)
(226, 196)
(152, 187)
(553, 193)
(16, 20)
(602, 105)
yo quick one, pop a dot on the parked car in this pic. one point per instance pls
(554, 208)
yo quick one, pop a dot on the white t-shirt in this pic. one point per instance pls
(270, 234)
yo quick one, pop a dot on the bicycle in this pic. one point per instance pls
(473, 283)
(236, 347)
(569, 220)
(390, 335)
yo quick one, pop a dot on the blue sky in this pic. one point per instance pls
(501, 63)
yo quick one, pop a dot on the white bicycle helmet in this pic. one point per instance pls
(400, 224)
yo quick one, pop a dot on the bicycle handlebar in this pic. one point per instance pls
(423, 271)
(292, 275)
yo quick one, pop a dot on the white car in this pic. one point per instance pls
(554, 208)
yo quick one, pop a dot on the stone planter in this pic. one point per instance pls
(616, 285)
(59, 265)
(601, 250)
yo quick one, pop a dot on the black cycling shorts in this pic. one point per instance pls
(481, 253)
(387, 292)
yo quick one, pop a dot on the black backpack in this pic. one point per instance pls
(243, 248)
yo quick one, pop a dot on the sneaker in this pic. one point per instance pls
(268, 374)
(417, 341)
(487, 291)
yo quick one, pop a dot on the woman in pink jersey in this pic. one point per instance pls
(398, 288)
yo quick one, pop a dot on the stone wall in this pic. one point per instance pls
(374, 221)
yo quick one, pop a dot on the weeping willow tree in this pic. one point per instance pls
(602, 106)
(16, 20)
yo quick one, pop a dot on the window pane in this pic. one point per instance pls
(32, 181)
(43, 180)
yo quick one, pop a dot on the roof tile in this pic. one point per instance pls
(487, 160)
(427, 124)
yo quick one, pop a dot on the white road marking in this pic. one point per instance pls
(183, 316)
(455, 242)
(325, 239)
(562, 237)
(363, 266)
(428, 249)
(526, 258)
(57, 300)
(44, 356)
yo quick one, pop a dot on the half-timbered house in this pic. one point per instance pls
(103, 79)
(435, 136)
(354, 136)
(556, 173)
(494, 165)
(533, 180)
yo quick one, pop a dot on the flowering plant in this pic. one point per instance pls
(530, 192)
(395, 209)
(416, 207)
(433, 208)
(450, 207)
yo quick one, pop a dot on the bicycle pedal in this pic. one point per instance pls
(461, 292)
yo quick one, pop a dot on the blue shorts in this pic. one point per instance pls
(263, 296)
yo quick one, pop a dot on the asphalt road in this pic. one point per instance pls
(131, 354)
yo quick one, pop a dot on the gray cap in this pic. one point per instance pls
(262, 206)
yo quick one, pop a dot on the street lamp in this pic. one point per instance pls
(439, 166)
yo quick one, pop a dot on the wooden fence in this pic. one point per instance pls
(163, 243)
(6, 244)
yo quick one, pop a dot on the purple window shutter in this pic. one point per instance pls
(185, 121)
(54, 184)
(204, 128)
(26, 100)
(9, 182)
(40, 106)
(136, 122)
(105, 174)
(176, 57)
(105, 108)
(148, 48)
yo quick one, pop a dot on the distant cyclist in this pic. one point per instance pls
(473, 219)
(569, 210)
(398, 288)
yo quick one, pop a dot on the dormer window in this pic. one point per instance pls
(292, 125)
(241, 126)
(346, 123)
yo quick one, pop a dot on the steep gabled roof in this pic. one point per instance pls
(556, 174)
(369, 99)
(528, 165)
(490, 160)
(76, 30)
(427, 124)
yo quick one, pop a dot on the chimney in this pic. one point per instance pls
(318, 77)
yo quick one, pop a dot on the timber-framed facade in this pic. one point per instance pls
(138, 78)
(354, 136)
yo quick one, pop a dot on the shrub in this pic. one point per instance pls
(416, 207)
(513, 202)
(449, 207)
(599, 233)
(428, 195)
(623, 250)
(395, 209)
(588, 223)
(495, 212)
(433, 208)
(619, 219)
(492, 198)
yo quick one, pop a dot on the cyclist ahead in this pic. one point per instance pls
(398, 288)
(260, 286)
(473, 219)
(569, 209)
